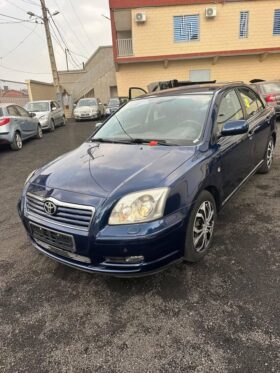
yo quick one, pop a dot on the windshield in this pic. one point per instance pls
(271, 88)
(113, 102)
(87, 102)
(172, 119)
(37, 106)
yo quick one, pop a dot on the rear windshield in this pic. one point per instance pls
(87, 102)
(177, 120)
(114, 101)
(271, 88)
(37, 107)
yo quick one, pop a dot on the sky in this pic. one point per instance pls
(23, 46)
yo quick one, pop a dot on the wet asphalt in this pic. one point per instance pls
(221, 315)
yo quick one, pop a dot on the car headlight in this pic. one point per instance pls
(44, 117)
(29, 176)
(139, 207)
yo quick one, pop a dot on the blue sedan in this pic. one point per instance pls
(144, 190)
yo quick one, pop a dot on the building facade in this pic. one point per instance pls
(223, 40)
(97, 79)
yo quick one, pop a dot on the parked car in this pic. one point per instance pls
(17, 125)
(88, 108)
(270, 91)
(49, 113)
(144, 190)
(114, 104)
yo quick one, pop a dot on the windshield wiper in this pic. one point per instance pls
(148, 141)
(109, 141)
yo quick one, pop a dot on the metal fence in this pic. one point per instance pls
(13, 92)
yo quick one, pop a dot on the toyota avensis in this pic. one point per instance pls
(144, 190)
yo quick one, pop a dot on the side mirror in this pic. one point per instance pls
(98, 125)
(32, 115)
(235, 127)
(53, 108)
(74, 106)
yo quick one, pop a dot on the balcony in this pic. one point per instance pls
(125, 47)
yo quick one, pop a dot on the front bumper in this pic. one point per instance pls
(160, 243)
(85, 117)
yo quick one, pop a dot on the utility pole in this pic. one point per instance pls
(51, 52)
(66, 55)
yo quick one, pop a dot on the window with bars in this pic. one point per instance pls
(186, 28)
(276, 25)
(244, 23)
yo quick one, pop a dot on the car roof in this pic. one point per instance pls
(8, 104)
(30, 102)
(210, 88)
(266, 82)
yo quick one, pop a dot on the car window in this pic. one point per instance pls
(271, 88)
(1, 112)
(12, 111)
(174, 119)
(230, 109)
(39, 106)
(22, 112)
(251, 101)
(87, 102)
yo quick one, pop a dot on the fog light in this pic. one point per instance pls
(124, 260)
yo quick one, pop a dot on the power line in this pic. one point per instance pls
(16, 6)
(64, 42)
(21, 71)
(21, 42)
(17, 19)
(74, 10)
(84, 46)
(31, 3)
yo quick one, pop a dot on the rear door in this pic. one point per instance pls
(259, 119)
(28, 122)
(17, 120)
(234, 153)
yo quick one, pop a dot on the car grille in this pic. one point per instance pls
(55, 239)
(67, 214)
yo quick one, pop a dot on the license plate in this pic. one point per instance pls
(53, 238)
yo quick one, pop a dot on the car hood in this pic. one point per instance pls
(39, 114)
(85, 109)
(103, 169)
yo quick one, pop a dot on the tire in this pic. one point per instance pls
(52, 126)
(201, 224)
(266, 166)
(17, 142)
(64, 121)
(39, 134)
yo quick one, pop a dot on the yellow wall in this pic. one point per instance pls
(226, 69)
(40, 90)
(155, 37)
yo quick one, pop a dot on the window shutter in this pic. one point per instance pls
(244, 22)
(276, 26)
(186, 28)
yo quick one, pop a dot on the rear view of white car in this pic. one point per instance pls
(88, 108)
(49, 113)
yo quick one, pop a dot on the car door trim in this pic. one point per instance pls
(242, 182)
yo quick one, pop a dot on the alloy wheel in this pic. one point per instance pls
(18, 141)
(269, 154)
(203, 226)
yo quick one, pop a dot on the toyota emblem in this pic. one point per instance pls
(50, 208)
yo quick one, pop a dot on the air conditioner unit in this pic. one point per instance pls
(140, 17)
(210, 12)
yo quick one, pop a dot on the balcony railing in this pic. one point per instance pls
(125, 47)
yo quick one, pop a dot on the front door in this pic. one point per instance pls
(234, 153)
